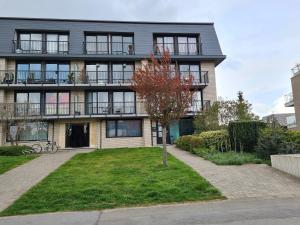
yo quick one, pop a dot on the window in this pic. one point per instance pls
(30, 43)
(109, 44)
(97, 103)
(57, 43)
(124, 128)
(32, 131)
(197, 102)
(164, 43)
(187, 46)
(57, 73)
(97, 73)
(28, 103)
(123, 102)
(28, 73)
(181, 45)
(57, 103)
(187, 69)
(122, 73)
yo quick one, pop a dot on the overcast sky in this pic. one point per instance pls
(261, 38)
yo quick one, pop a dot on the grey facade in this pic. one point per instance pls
(206, 55)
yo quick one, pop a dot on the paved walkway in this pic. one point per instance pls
(228, 212)
(20, 179)
(251, 180)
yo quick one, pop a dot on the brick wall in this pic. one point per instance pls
(210, 92)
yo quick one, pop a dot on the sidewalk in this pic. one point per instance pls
(228, 212)
(246, 181)
(20, 179)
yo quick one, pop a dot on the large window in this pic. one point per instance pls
(165, 43)
(123, 102)
(97, 73)
(28, 103)
(122, 73)
(97, 103)
(196, 105)
(109, 44)
(190, 69)
(29, 72)
(51, 43)
(57, 103)
(124, 128)
(31, 131)
(187, 46)
(30, 43)
(57, 43)
(57, 73)
(176, 44)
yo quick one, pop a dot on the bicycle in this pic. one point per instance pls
(50, 147)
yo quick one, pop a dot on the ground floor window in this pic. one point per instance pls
(124, 128)
(31, 131)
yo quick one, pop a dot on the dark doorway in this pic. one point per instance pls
(159, 134)
(77, 135)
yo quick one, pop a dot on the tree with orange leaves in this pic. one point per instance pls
(166, 96)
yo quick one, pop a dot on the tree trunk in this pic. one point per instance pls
(165, 153)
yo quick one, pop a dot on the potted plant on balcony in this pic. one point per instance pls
(30, 78)
(71, 78)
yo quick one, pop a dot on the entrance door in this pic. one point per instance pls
(159, 134)
(174, 131)
(77, 135)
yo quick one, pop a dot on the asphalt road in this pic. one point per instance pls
(279, 211)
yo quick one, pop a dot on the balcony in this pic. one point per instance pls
(64, 78)
(289, 100)
(81, 109)
(109, 48)
(40, 47)
(180, 49)
(11, 78)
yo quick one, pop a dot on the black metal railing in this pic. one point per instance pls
(64, 77)
(179, 48)
(40, 47)
(70, 109)
(202, 79)
(105, 48)
(77, 109)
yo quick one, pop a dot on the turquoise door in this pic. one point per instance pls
(174, 131)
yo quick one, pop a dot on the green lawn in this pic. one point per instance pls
(10, 162)
(114, 178)
(228, 158)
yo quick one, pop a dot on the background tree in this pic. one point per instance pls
(166, 96)
(243, 108)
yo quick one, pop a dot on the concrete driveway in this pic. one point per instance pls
(246, 181)
(229, 212)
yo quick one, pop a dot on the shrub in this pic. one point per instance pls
(184, 142)
(204, 152)
(217, 140)
(13, 150)
(274, 141)
(244, 134)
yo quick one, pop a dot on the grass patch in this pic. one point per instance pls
(228, 158)
(10, 162)
(114, 178)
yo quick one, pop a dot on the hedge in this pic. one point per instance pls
(211, 139)
(13, 150)
(243, 135)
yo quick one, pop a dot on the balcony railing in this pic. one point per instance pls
(9, 77)
(179, 48)
(289, 100)
(109, 48)
(40, 47)
(81, 109)
(65, 77)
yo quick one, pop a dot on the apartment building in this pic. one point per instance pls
(293, 99)
(69, 80)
